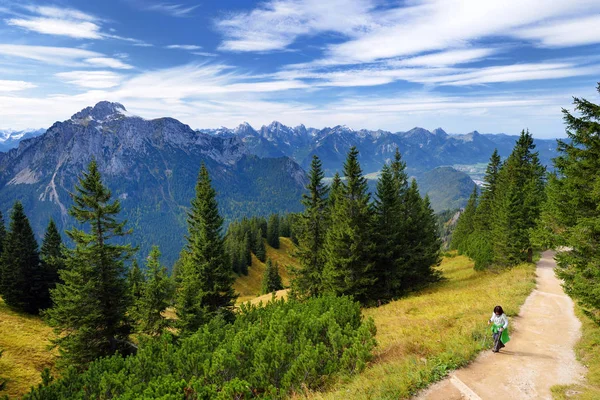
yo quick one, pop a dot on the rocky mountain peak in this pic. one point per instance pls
(102, 111)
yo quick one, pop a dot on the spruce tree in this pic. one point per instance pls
(273, 231)
(89, 315)
(465, 225)
(23, 285)
(349, 243)
(155, 296)
(260, 250)
(271, 279)
(206, 289)
(135, 281)
(53, 260)
(571, 215)
(312, 227)
(387, 236)
(517, 203)
(334, 191)
(2, 234)
(481, 241)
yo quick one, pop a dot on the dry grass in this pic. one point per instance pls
(588, 352)
(25, 340)
(425, 335)
(248, 286)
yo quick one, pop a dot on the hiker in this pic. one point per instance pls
(499, 322)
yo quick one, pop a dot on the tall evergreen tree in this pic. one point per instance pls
(335, 191)
(273, 231)
(387, 236)
(465, 225)
(349, 243)
(206, 288)
(2, 234)
(53, 260)
(135, 281)
(271, 279)
(155, 296)
(480, 243)
(571, 215)
(312, 227)
(517, 203)
(422, 241)
(23, 285)
(261, 251)
(90, 305)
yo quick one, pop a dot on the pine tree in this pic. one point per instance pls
(387, 236)
(312, 227)
(517, 203)
(2, 233)
(53, 260)
(421, 241)
(155, 296)
(273, 231)
(334, 191)
(135, 281)
(465, 225)
(90, 305)
(571, 215)
(480, 243)
(349, 244)
(261, 251)
(206, 289)
(23, 285)
(271, 279)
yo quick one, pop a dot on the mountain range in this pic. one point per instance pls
(152, 166)
(9, 139)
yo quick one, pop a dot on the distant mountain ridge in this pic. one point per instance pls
(421, 149)
(151, 166)
(9, 139)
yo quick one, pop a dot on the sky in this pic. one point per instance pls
(463, 65)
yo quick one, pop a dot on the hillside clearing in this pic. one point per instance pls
(25, 340)
(427, 334)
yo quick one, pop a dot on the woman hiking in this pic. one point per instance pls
(499, 322)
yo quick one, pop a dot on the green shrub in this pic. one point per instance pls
(270, 351)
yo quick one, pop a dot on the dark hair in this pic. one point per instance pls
(498, 310)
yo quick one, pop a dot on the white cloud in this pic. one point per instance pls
(172, 9)
(276, 24)
(91, 79)
(183, 47)
(62, 27)
(107, 62)
(15, 86)
(66, 56)
(204, 54)
(572, 32)
(445, 58)
(56, 12)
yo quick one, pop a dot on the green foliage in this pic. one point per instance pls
(206, 287)
(465, 225)
(311, 228)
(156, 292)
(571, 215)
(135, 281)
(259, 246)
(22, 276)
(271, 279)
(52, 258)
(2, 239)
(2, 380)
(90, 304)
(349, 245)
(517, 201)
(273, 231)
(268, 352)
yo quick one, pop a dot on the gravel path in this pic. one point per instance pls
(539, 355)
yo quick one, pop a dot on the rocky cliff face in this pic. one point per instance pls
(151, 165)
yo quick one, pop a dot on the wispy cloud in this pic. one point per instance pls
(183, 47)
(66, 56)
(172, 9)
(57, 21)
(15, 86)
(91, 79)
(276, 24)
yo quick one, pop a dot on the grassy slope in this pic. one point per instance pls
(425, 335)
(588, 352)
(24, 339)
(249, 286)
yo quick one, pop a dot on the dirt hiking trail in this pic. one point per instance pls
(539, 355)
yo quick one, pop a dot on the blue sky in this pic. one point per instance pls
(492, 66)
